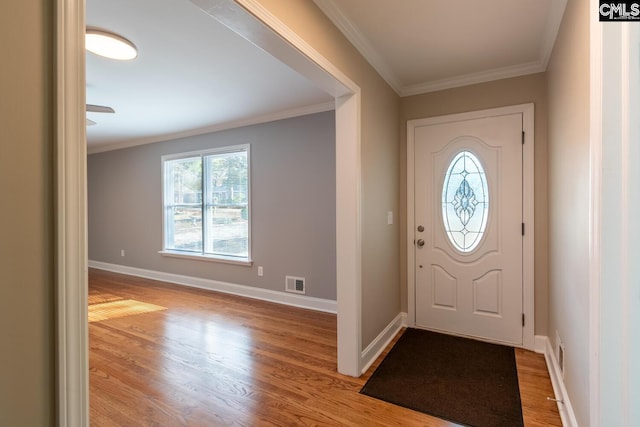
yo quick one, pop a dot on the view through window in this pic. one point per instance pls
(206, 203)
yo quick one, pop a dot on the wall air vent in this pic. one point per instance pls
(561, 358)
(295, 285)
(560, 355)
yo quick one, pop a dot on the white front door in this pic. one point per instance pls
(468, 227)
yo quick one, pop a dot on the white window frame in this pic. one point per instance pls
(205, 256)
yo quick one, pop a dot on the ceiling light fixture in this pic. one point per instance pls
(109, 45)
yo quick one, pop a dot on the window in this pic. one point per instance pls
(465, 201)
(206, 204)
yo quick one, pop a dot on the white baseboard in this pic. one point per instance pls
(377, 346)
(302, 301)
(543, 345)
(540, 345)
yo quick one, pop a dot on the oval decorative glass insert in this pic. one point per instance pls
(465, 201)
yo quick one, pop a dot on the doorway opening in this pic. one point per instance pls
(259, 26)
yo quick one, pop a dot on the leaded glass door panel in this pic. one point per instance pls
(468, 204)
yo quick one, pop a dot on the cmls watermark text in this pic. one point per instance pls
(619, 11)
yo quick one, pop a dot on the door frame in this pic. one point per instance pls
(528, 285)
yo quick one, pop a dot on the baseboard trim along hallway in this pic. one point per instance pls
(377, 346)
(294, 300)
(543, 345)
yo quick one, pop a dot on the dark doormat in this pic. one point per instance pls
(457, 379)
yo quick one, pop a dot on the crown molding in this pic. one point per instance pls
(361, 43)
(272, 117)
(473, 78)
(554, 19)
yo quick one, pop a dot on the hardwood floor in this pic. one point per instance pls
(211, 359)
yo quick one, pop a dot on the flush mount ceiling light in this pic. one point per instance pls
(109, 45)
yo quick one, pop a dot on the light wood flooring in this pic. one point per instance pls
(211, 359)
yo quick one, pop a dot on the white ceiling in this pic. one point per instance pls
(193, 75)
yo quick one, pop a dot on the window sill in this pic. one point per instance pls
(207, 258)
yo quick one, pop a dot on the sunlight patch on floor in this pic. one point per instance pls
(121, 308)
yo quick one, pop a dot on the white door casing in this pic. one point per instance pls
(485, 290)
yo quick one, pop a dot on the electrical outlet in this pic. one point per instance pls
(260, 271)
(389, 218)
(121, 252)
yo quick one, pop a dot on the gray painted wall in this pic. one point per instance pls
(379, 160)
(293, 205)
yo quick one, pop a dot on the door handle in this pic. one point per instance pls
(420, 243)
